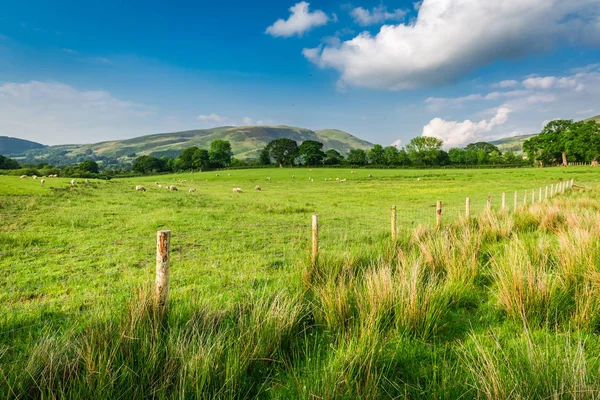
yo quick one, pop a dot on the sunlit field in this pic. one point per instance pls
(474, 308)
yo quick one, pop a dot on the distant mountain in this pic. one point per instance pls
(10, 146)
(246, 142)
(515, 143)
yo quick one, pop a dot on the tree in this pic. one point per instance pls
(8, 163)
(201, 159)
(376, 155)
(185, 160)
(148, 165)
(89, 166)
(487, 147)
(357, 157)
(333, 157)
(424, 150)
(284, 151)
(265, 158)
(457, 156)
(312, 152)
(551, 144)
(510, 158)
(390, 155)
(220, 153)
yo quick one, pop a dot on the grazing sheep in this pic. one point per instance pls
(268, 178)
(160, 186)
(343, 180)
(293, 176)
(173, 188)
(418, 179)
(192, 190)
(370, 176)
(237, 190)
(73, 182)
(217, 175)
(23, 176)
(312, 180)
(337, 179)
(140, 188)
(228, 174)
(157, 184)
(42, 182)
(34, 176)
(257, 187)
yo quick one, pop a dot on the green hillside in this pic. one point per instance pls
(246, 142)
(11, 146)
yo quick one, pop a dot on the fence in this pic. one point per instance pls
(51, 286)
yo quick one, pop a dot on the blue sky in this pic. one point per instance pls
(461, 70)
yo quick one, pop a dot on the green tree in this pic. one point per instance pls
(357, 157)
(487, 147)
(201, 159)
(424, 150)
(376, 155)
(333, 157)
(185, 160)
(284, 151)
(390, 155)
(147, 165)
(220, 153)
(89, 166)
(457, 156)
(265, 158)
(8, 163)
(312, 152)
(510, 158)
(551, 144)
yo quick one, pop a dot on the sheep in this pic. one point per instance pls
(73, 182)
(312, 180)
(23, 176)
(293, 176)
(237, 190)
(268, 178)
(370, 176)
(228, 174)
(140, 188)
(87, 181)
(34, 176)
(257, 187)
(343, 180)
(42, 182)
(192, 190)
(217, 175)
(337, 179)
(172, 188)
(418, 179)
(160, 186)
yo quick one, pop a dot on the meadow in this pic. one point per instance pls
(503, 305)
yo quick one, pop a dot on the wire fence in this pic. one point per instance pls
(53, 286)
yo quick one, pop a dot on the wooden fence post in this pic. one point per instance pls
(546, 195)
(394, 232)
(540, 199)
(163, 264)
(468, 208)
(551, 190)
(489, 202)
(503, 201)
(315, 239)
(516, 200)
(532, 196)
(525, 199)
(572, 182)
(438, 213)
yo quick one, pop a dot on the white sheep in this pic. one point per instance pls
(217, 175)
(160, 186)
(257, 187)
(228, 174)
(418, 179)
(268, 178)
(343, 180)
(34, 176)
(23, 176)
(73, 182)
(293, 176)
(192, 190)
(172, 188)
(140, 188)
(42, 182)
(237, 190)
(337, 179)
(87, 181)
(370, 176)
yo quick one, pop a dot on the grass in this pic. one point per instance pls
(504, 305)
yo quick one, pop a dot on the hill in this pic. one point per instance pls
(12, 146)
(246, 142)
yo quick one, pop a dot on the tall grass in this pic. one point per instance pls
(506, 305)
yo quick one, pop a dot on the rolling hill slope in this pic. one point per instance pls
(246, 142)
(11, 146)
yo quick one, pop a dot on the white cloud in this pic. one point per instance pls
(506, 84)
(451, 38)
(210, 118)
(55, 113)
(397, 144)
(460, 133)
(251, 122)
(301, 20)
(436, 103)
(553, 82)
(376, 15)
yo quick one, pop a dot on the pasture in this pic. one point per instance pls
(75, 257)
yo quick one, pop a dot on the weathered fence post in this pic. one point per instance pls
(438, 213)
(503, 201)
(489, 202)
(551, 190)
(516, 200)
(163, 264)
(572, 182)
(525, 199)
(394, 232)
(468, 208)
(315, 239)
(532, 196)
(546, 195)
(540, 199)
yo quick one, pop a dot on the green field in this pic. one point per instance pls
(73, 260)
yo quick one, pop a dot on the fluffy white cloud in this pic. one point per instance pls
(55, 113)
(553, 82)
(460, 133)
(437, 103)
(377, 15)
(300, 21)
(451, 38)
